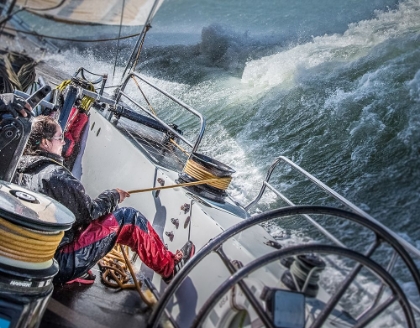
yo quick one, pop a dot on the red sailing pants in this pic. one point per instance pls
(126, 226)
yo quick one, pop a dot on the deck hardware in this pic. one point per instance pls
(157, 192)
(9, 134)
(185, 208)
(99, 130)
(237, 264)
(134, 257)
(93, 124)
(303, 274)
(187, 222)
(175, 222)
(273, 244)
(170, 234)
(287, 261)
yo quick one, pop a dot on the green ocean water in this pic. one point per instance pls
(332, 85)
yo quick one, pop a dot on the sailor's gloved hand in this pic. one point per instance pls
(123, 194)
(20, 105)
(14, 105)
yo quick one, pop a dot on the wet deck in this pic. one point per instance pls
(94, 306)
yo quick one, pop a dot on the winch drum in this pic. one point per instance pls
(202, 167)
(26, 285)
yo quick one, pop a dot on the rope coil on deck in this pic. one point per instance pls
(17, 72)
(27, 245)
(114, 267)
(199, 172)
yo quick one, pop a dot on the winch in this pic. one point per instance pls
(201, 167)
(303, 274)
(31, 228)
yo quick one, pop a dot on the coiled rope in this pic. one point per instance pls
(27, 245)
(199, 172)
(17, 72)
(114, 268)
(307, 273)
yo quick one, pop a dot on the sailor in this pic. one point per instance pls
(99, 222)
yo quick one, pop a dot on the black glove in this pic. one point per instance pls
(20, 105)
(13, 105)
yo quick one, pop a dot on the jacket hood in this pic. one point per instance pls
(30, 162)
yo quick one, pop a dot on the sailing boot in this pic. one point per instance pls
(188, 250)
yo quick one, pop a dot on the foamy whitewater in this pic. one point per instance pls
(333, 85)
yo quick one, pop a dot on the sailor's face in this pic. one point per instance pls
(57, 142)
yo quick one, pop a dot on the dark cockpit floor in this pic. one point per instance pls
(94, 306)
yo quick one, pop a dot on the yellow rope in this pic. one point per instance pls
(187, 184)
(114, 268)
(179, 147)
(199, 172)
(22, 244)
(63, 85)
(86, 101)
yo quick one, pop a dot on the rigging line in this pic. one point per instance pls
(146, 297)
(146, 27)
(8, 17)
(137, 138)
(72, 40)
(144, 96)
(119, 35)
(11, 6)
(29, 9)
(111, 86)
(179, 147)
(138, 46)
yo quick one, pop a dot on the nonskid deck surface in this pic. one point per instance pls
(94, 306)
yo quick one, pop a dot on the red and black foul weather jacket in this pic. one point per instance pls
(46, 174)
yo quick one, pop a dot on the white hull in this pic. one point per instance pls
(111, 160)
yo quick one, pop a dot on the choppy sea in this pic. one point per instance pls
(332, 85)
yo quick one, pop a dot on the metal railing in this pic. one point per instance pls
(102, 78)
(329, 191)
(381, 233)
(120, 93)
